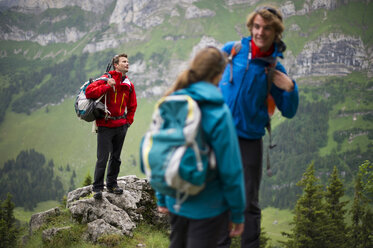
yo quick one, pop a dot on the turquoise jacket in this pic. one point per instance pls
(246, 94)
(225, 185)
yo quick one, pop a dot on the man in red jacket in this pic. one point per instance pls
(112, 129)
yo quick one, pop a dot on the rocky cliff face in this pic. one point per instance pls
(330, 54)
(37, 6)
(128, 16)
(17, 34)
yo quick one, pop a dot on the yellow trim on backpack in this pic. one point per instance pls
(147, 149)
(190, 108)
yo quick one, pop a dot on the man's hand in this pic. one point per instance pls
(111, 82)
(282, 81)
(235, 229)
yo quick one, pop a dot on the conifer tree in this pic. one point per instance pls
(8, 229)
(310, 225)
(361, 233)
(335, 211)
(366, 172)
(87, 180)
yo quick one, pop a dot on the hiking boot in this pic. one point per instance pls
(115, 190)
(97, 195)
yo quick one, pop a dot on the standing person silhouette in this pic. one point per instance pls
(245, 89)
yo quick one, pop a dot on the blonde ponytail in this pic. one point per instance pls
(207, 64)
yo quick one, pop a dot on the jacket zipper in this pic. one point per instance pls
(121, 104)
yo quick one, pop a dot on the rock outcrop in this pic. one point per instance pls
(37, 220)
(67, 36)
(37, 6)
(113, 214)
(194, 12)
(330, 55)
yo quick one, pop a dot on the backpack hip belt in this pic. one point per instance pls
(124, 116)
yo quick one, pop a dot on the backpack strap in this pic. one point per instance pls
(234, 51)
(107, 112)
(270, 75)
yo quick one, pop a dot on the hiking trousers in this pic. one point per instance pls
(251, 154)
(196, 233)
(109, 142)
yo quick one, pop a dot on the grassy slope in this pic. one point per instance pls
(274, 222)
(355, 100)
(61, 136)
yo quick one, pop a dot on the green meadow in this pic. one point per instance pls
(56, 132)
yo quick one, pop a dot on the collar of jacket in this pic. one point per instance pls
(202, 92)
(276, 53)
(117, 76)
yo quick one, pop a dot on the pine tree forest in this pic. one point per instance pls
(321, 216)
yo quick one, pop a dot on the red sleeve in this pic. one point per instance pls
(97, 89)
(131, 105)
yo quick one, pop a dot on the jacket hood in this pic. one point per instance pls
(203, 92)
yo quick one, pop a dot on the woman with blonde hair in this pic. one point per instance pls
(203, 217)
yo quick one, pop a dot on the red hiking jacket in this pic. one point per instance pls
(118, 101)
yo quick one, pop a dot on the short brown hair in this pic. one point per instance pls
(270, 14)
(116, 58)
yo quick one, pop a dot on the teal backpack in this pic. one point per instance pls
(173, 153)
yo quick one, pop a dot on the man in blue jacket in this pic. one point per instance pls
(245, 90)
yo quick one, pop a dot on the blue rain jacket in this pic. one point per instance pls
(225, 186)
(246, 94)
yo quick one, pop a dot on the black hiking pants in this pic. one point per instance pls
(109, 142)
(193, 233)
(251, 154)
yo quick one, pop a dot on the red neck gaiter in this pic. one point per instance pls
(256, 53)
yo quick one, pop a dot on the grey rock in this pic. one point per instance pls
(115, 214)
(38, 219)
(98, 228)
(88, 210)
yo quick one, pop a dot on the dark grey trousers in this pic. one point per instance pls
(109, 142)
(192, 233)
(251, 154)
